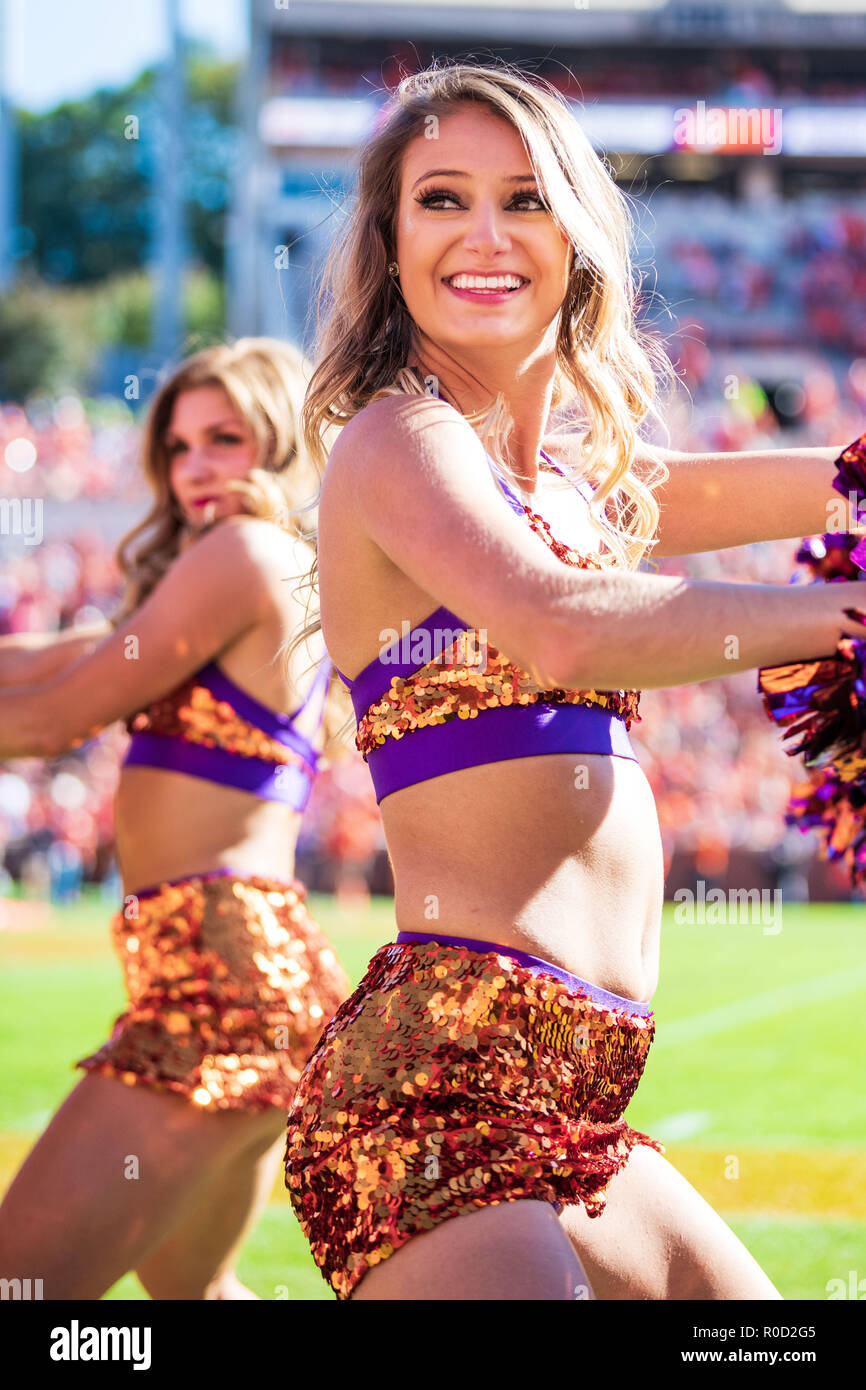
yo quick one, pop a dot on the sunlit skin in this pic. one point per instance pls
(208, 445)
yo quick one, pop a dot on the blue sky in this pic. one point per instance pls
(56, 49)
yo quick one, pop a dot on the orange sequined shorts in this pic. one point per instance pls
(230, 982)
(455, 1078)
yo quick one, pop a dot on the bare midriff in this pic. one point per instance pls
(559, 855)
(169, 826)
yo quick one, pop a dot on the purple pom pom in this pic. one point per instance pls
(821, 704)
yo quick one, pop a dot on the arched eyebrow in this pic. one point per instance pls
(462, 174)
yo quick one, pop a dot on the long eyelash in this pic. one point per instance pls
(428, 195)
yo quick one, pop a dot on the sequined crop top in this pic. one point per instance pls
(208, 727)
(417, 705)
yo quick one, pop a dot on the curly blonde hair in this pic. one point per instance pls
(265, 381)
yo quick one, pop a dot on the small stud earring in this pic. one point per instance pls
(393, 269)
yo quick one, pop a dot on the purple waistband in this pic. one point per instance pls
(288, 783)
(537, 966)
(496, 735)
(209, 873)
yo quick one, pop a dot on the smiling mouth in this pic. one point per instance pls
(486, 284)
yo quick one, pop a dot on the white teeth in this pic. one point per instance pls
(485, 282)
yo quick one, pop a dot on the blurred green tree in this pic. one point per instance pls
(33, 347)
(87, 202)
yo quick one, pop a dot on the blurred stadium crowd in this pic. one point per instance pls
(712, 757)
(357, 65)
(795, 272)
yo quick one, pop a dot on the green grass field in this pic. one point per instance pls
(755, 1081)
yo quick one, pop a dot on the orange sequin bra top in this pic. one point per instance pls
(209, 727)
(430, 685)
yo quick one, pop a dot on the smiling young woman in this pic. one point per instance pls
(229, 978)
(459, 1131)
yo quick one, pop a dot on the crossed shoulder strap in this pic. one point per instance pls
(583, 488)
(506, 487)
(318, 688)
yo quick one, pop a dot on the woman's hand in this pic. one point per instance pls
(28, 658)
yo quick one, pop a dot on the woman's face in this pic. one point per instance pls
(481, 217)
(208, 444)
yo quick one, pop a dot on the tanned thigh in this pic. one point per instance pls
(112, 1174)
(513, 1250)
(196, 1260)
(659, 1239)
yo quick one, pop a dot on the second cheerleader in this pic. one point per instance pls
(162, 1156)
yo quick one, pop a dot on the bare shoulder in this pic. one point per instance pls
(390, 438)
(403, 412)
(261, 538)
(255, 551)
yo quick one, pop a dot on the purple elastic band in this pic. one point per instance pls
(536, 965)
(208, 873)
(289, 783)
(498, 735)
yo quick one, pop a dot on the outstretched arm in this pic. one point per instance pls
(415, 477)
(712, 501)
(28, 658)
(214, 592)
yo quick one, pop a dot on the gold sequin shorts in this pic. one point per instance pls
(230, 982)
(455, 1078)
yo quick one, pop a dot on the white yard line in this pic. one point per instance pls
(748, 1010)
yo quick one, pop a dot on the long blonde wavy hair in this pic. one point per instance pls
(265, 380)
(608, 369)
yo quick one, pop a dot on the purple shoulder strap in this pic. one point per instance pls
(511, 496)
(318, 688)
(517, 505)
